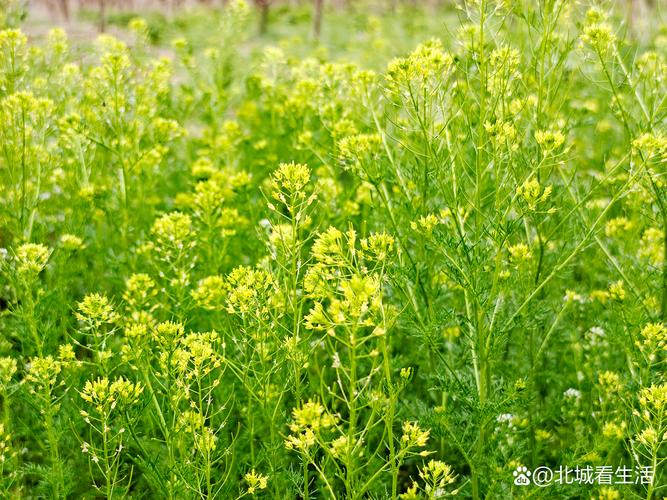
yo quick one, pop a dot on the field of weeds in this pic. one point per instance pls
(422, 257)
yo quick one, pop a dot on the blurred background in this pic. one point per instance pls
(86, 18)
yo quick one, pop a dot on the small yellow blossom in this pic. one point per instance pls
(413, 435)
(95, 309)
(533, 193)
(618, 226)
(519, 252)
(617, 290)
(255, 482)
(425, 224)
(31, 258)
(549, 140)
(71, 242)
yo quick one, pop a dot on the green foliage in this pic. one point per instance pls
(355, 277)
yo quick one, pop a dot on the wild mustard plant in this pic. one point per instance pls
(106, 411)
(22, 271)
(47, 387)
(412, 262)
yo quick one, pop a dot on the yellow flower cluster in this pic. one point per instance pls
(502, 133)
(549, 140)
(249, 290)
(44, 371)
(95, 310)
(413, 435)
(31, 259)
(107, 395)
(426, 61)
(308, 420)
(193, 423)
(425, 224)
(290, 180)
(140, 288)
(651, 246)
(359, 300)
(533, 193)
(598, 33)
(255, 482)
(378, 246)
(210, 293)
(519, 253)
(71, 242)
(437, 475)
(354, 151)
(618, 226)
(653, 340)
(172, 230)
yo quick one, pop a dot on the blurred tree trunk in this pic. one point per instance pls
(317, 18)
(64, 9)
(263, 6)
(103, 15)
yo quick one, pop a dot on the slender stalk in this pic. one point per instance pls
(352, 421)
(54, 449)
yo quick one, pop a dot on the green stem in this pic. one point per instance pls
(54, 450)
(389, 419)
(352, 424)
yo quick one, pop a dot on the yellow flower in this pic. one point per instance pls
(104, 394)
(502, 133)
(139, 289)
(310, 415)
(618, 226)
(168, 333)
(12, 41)
(413, 435)
(31, 258)
(654, 398)
(651, 246)
(599, 35)
(328, 246)
(617, 290)
(210, 293)
(255, 481)
(203, 168)
(610, 382)
(653, 340)
(427, 61)
(95, 309)
(648, 437)
(437, 475)
(301, 441)
(249, 290)
(607, 493)
(612, 430)
(533, 193)
(8, 367)
(290, 179)
(138, 25)
(172, 229)
(519, 252)
(549, 140)
(601, 296)
(71, 242)
(651, 145)
(410, 493)
(43, 371)
(66, 353)
(425, 224)
(354, 148)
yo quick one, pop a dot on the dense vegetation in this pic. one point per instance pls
(232, 267)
